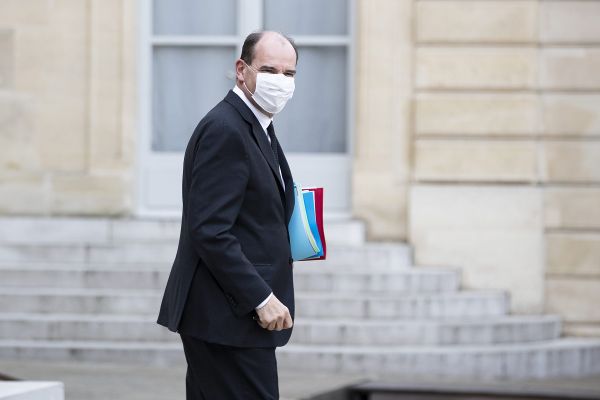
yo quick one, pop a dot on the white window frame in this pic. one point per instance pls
(250, 18)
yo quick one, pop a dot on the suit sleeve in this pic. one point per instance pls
(219, 177)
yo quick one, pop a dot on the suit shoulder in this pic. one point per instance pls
(223, 112)
(222, 127)
(222, 117)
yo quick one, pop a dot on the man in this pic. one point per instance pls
(230, 293)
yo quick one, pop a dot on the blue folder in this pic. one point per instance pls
(309, 204)
(305, 241)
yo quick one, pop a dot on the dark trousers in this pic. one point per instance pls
(218, 372)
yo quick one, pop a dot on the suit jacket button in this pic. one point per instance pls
(290, 260)
(231, 300)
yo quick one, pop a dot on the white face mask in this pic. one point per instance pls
(272, 91)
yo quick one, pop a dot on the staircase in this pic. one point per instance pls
(89, 290)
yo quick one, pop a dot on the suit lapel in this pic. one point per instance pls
(265, 148)
(289, 185)
(259, 135)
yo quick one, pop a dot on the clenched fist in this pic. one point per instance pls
(274, 316)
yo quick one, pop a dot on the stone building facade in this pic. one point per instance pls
(476, 132)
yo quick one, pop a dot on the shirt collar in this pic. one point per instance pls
(263, 119)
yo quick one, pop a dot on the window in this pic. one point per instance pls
(195, 43)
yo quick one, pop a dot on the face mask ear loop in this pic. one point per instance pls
(251, 67)
(244, 83)
(245, 80)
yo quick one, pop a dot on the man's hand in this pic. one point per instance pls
(274, 316)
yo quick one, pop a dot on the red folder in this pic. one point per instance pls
(319, 217)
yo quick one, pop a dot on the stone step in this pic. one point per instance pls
(83, 265)
(311, 278)
(442, 305)
(155, 353)
(551, 359)
(443, 332)
(73, 230)
(382, 332)
(83, 327)
(376, 255)
(414, 280)
(319, 305)
(32, 390)
(76, 277)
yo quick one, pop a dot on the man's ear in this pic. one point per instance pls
(239, 70)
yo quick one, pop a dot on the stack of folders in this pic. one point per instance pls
(307, 235)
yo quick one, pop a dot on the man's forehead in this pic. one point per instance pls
(274, 45)
(274, 38)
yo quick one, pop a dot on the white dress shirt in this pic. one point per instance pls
(264, 121)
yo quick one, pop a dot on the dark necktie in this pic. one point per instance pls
(271, 133)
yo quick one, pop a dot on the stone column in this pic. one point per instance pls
(67, 106)
(570, 104)
(381, 166)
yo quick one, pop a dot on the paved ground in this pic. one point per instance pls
(86, 381)
(564, 388)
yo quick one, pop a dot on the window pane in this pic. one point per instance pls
(315, 120)
(195, 17)
(307, 17)
(187, 83)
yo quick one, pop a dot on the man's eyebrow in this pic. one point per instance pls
(271, 68)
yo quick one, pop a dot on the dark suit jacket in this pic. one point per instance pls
(234, 244)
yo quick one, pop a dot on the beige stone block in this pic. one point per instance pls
(476, 21)
(106, 80)
(492, 233)
(61, 45)
(453, 207)
(31, 51)
(475, 160)
(476, 114)
(383, 95)
(573, 253)
(29, 12)
(61, 87)
(23, 194)
(129, 85)
(570, 68)
(91, 195)
(385, 138)
(381, 201)
(570, 21)
(576, 300)
(471, 68)
(571, 161)
(7, 55)
(572, 207)
(61, 123)
(571, 114)
(17, 137)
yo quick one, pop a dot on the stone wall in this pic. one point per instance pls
(381, 169)
(570, 80)
(477, 132)
(67, 106)
(507, 152)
